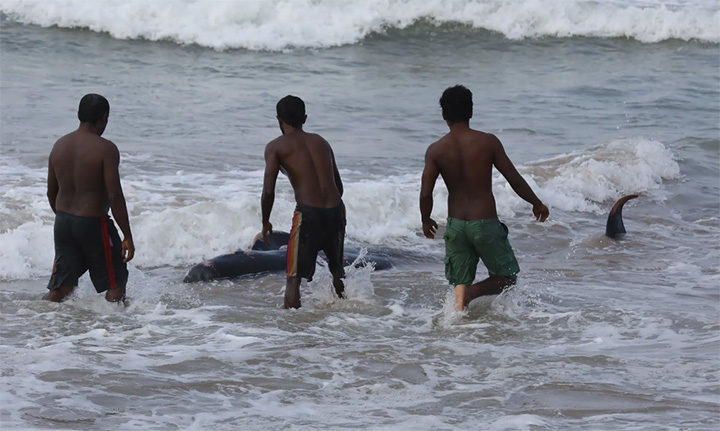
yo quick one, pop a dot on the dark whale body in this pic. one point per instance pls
(266, 258)
(615, 227)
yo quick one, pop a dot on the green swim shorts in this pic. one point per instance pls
(468, 241)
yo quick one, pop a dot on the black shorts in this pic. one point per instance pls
(315, 229)
(87, 243)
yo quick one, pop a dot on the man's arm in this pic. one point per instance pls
(52, 186)
(116, 199)
(517, 182)
(267, 199)
(338, 180)
(429, 177)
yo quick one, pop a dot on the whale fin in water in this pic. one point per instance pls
(615, 226)
(276, 239)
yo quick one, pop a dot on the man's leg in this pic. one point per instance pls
(103, 252)
(292, 293)
(334, 246)
(58, 295)
(492, 285)
(68, 264)
(491, 243)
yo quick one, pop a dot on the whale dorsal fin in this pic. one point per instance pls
(277, 240)
(615, 226)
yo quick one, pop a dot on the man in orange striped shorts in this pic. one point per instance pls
(319, 219)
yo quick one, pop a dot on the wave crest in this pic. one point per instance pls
(281, 24)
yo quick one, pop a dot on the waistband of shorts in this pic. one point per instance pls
(68, 215)
(451, 220)
(309, 208)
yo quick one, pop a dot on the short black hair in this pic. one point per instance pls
(93, 107)
(291, 109)
(457, 105)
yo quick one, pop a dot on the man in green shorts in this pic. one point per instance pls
(465, 158)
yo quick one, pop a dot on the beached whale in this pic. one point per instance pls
(267, 258)
(615, 227)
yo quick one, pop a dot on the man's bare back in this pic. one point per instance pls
(465, 160)
(84, 179)
(77, 161)
(309, 163)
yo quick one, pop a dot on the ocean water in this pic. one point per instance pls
(592, 100)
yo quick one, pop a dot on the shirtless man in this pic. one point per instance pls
(465, 158)
(319, 219)
(83, 183)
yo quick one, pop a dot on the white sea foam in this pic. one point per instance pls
(220, 212)
(280, 24)
(580, 181)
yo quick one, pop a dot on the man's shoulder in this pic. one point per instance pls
(484, 136)
(107, 142)
(311, 139)
(441, 143)
(471, 139)
(316, 136)
(467, 140)
(296, 139)
(273, 145)
(432, 151)
(88, 139)
(75, 143)
(104, 144)
(65, 143)
(67, 138)
(101, 147)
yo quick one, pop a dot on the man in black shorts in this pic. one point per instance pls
(83, 184)
(319, 219)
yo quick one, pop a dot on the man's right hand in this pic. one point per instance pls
(128, 249)
(429, 228)
(266, 230)
(115, 295)
(541, 212)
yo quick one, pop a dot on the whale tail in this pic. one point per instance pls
(615, 226)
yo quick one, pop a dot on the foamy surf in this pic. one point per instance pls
(277, 25)
(215, 220)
